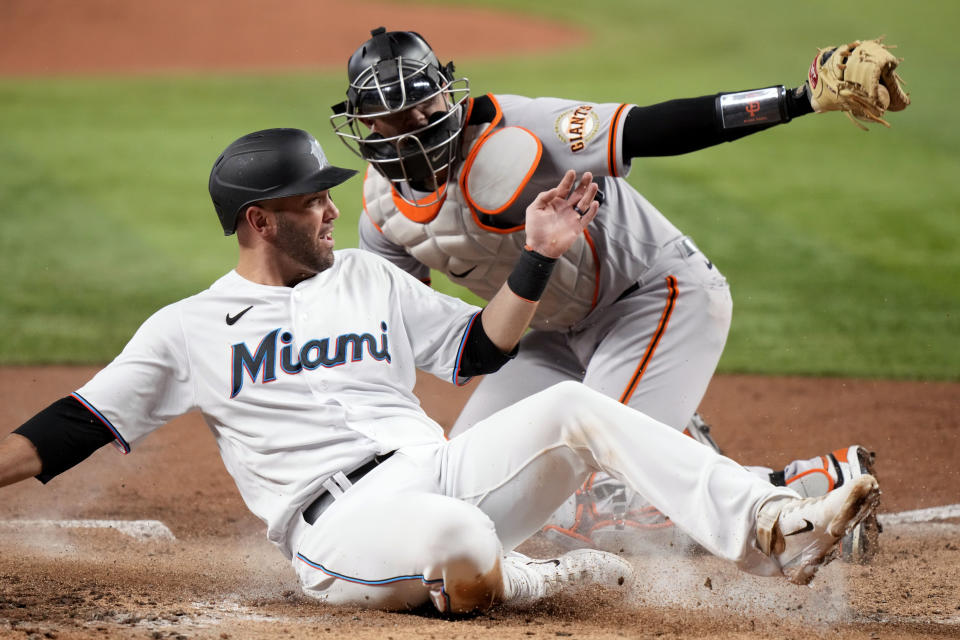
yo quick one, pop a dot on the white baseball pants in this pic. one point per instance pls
(655, 350)
(433, 522)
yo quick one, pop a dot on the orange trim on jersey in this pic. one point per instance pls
(420, 214)
(486, 227)
(466, 119)
(672, 293)
(363, 196)
(596, 271)
(523, 183)
(612, 142)
(469, 161)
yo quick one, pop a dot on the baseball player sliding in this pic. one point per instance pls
(634, 310)
(302, 361)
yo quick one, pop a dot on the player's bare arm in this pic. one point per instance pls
(555, 219)
(19, 460)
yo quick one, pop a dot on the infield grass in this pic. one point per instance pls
(840, 245)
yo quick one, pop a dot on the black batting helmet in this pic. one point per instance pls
(390, 72)
(273, 163)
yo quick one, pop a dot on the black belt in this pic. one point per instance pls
(325, 499)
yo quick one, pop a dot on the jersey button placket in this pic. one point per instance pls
(298, 309)
(299, 318)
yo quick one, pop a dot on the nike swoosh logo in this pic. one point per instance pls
(464, 274)
(232, 319)
(804, 529)
(552, 561)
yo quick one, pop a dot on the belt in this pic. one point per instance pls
(325, 499)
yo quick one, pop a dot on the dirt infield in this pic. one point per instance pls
(219, 578)
(60, 37)
(200, 566)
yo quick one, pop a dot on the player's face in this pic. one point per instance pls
(411, 119)
(304, 230)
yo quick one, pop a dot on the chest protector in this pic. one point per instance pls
(460, 235)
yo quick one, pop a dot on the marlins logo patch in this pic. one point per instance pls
(577, 126)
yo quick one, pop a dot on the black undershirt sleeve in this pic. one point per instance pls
(681, 126)
(480, 355)
(483, 110)
(64, 434)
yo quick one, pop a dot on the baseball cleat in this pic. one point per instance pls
(529, 580)
(820, 475)
(804, 534)
(699, 430)
(605, 514)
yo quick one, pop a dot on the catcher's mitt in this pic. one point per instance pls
(859, 79)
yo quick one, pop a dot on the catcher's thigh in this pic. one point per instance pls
(387, 549)
(657, 349)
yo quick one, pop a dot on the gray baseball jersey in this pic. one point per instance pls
(626, 239)
(634, 310)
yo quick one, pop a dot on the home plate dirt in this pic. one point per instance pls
(218, 577)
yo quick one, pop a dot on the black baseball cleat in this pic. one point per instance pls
(804, 534)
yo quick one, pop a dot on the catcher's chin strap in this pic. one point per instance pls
(681, 126)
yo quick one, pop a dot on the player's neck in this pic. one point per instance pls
(258, 267)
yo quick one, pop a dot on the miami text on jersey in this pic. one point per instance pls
(313, 354)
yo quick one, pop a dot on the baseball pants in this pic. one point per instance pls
(433, 522)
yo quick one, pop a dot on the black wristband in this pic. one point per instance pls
(797, 102)
(530, 275)
(757, 107)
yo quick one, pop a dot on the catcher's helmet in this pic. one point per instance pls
(390, 72)
(273, 163)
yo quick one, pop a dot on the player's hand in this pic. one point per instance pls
(558, 216)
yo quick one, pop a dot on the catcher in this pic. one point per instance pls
(635, 310)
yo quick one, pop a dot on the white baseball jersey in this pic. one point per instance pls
(299, 383)
(296, 383)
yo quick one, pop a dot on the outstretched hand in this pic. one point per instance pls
(558, 216)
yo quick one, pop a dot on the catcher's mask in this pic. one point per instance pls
(391, 72)
(273, 163)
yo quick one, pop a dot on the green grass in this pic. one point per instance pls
(840, 245)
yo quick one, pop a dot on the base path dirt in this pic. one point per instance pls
(66, 37)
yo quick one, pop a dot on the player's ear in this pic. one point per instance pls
(258, 218)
